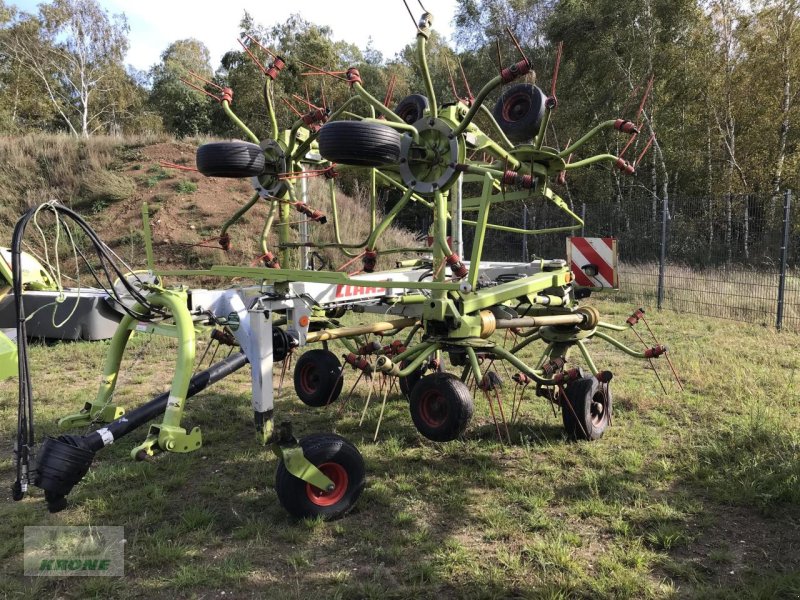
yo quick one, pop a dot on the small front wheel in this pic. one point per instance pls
(318, 377)
(341, 462)
(586, 411)
(441, 406)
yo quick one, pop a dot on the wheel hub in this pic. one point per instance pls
(268, 184)
(429, 165)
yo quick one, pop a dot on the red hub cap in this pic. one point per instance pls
(516, 107)
(337, 474)
(433, 409)
(309, 379)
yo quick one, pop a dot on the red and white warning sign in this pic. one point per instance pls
(593, 262)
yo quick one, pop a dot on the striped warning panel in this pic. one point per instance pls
(593, 254)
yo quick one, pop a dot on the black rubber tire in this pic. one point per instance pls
(441, 406)
(359, 144)
(519, 112)
(412, 108)
(230, 159)
(407, 383)
(318, 377)
(593, 405)
(340, 461)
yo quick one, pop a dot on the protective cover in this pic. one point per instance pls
(93, 319)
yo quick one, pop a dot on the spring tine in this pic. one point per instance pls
(380, 417)
(494, 417)
(252, 56)
(502, 414)
(466, 83)
(366, 404)
(650, 360)
(349, 394)
(516, 43)
(257, 43)
(559, 51)
(674, 372)
(333, 389)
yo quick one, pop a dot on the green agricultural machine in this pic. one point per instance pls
(443, 313)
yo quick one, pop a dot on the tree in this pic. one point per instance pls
(75, 50)
(183, 110)
(25, 108)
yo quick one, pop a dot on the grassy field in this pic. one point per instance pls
(694, 494)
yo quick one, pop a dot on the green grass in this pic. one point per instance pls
(693, 495)
(185, 187)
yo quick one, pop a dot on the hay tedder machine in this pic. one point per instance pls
(441, 316)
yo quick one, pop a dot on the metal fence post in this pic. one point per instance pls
(662, 259)
(583, 219)
(787, 202)
(525, 235)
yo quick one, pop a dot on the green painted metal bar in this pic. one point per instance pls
(539, 140)
(176, 303)
(148, 237)
(376, 104)
(416, 363)
(240, 213)
(474, 365)
(273, 121)
(513, 289)
(232, 116)
(612, 326)
(591, 133)
(586, 356)
(290, 275)
(591, 161)
(487, 89)
(426, 74)
(529, 339)
(337, 236)
(387, 220)
(504, 354)
(268, 225)
(488, 114)
(620, 345)
(480, 233)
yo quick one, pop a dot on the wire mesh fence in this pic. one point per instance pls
(720, 256)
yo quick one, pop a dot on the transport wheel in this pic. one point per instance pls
(441, 406)
(519, 112)
(318, 377)
(230, 159)
(407, 383)
(592, 404)
(340, 461)
(360, 144)
(412, 108)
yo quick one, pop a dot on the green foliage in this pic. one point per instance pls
(74, 50)
(184, 111)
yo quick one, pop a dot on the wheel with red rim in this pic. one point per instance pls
(519, 112)
(341, 462)
(441, 406)
(318, 377)
(586, 412)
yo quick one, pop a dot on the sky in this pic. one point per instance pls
(154, 24)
